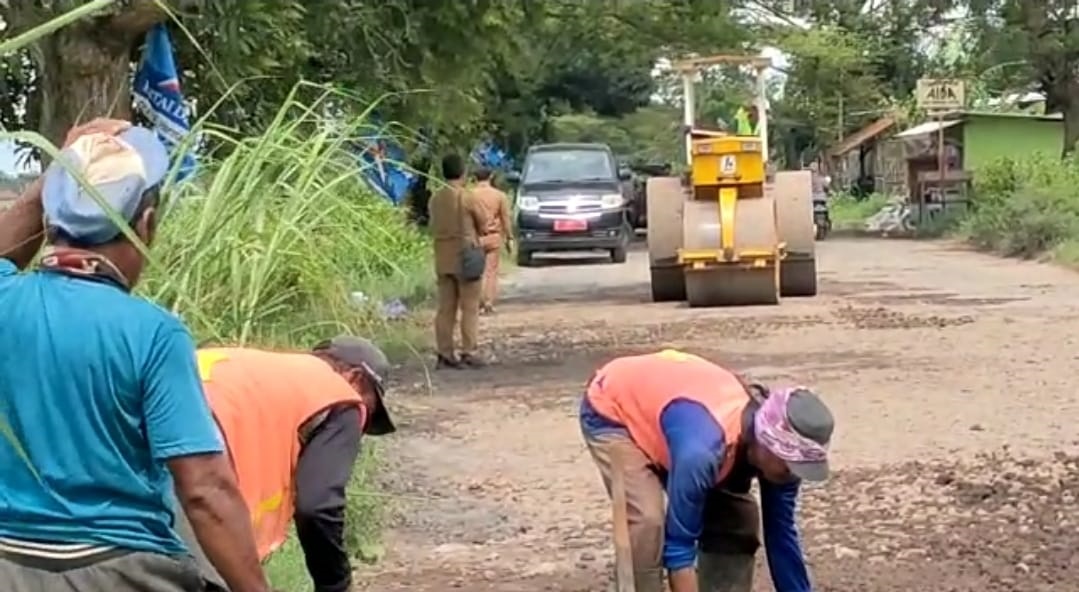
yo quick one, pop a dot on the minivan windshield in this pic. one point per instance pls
(568, 166)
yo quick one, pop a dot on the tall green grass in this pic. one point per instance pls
(271, 241)
(849, 212)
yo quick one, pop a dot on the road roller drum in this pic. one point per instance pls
(666, 200)
(793, 192)
(748, 279)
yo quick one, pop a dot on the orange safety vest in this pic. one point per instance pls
(635, 390)
(260, 400)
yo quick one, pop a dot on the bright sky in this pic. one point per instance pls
(8, 163)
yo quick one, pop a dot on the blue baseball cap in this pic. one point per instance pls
(121, 168)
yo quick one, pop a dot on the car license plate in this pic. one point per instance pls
(570, 225)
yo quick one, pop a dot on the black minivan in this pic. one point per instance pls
(572, 197)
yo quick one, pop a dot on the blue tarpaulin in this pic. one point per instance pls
(490, 156)
(158, 97)
(383, 165)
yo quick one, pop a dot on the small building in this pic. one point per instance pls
(977, 138)
(869, 160)
(972, 140)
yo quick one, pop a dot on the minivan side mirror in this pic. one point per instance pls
(625, 174)
(513, 177)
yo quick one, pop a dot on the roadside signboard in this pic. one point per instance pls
(941, 94)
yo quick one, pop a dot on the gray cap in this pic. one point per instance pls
(365, 355)
(810, 418)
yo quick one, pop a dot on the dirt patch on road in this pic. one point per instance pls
(996, 524)
(879, 317)
(493, 490)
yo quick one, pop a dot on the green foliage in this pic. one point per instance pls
(461, 69)
(1025, 207)
(850, 212)
(267, 244)
(832, 87)
(649, 135)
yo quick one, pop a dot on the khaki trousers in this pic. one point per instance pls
(456, 296)
(490, 278)
(730, 536)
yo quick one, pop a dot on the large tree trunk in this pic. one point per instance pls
(84, 69)
(83, 76)
(1070, 110)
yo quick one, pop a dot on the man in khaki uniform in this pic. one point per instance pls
(456, 218)
(499, 234)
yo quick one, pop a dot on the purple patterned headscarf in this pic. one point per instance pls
(774, 431)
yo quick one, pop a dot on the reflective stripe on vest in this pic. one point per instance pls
(634, 391)
(260, 400)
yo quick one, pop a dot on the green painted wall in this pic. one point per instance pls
(988, 138)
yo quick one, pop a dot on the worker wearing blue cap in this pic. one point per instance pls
(100, 391)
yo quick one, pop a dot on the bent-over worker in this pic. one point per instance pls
(678, 423)
(292, 424)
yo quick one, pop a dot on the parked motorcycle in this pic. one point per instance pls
(822, 221)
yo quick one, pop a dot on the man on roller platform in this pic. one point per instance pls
(678, 423)
(292, 424)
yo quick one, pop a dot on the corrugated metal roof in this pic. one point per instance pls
(927, 128)
(1032, 116)
(862, 136)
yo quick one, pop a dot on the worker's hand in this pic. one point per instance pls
(683, 580)
(509, 246)
(101, 125)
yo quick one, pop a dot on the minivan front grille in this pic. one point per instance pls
(562, 207)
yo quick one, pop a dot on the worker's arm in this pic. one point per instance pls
(504, 213)
(476, 212)
(21, 228)
(695, 442)
(322, 474)
(182, 433)
(781, 541)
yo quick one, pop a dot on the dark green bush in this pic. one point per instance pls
(1024, 207)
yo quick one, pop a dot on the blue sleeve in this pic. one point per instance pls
(7, 267)
(781, 540)
(695, 442)
(177, 415)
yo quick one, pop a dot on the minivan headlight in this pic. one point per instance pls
(528, 203)
(611, 201)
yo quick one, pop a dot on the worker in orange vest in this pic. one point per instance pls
(292, 424)
(678, 424)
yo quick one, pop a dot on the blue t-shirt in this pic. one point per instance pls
(99, 388)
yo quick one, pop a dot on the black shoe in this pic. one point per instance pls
(472, 361)
(444, 362)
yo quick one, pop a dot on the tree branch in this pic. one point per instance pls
(137, 16)
(20, 16)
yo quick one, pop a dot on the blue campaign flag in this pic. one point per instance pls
(490, 156)
(158, 97)
(382, 164)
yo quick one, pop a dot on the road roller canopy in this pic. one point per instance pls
(689, 69)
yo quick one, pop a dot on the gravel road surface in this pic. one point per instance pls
(951, 373)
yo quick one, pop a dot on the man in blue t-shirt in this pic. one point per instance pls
(100, 394)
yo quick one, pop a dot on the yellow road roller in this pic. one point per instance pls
(728, 232)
